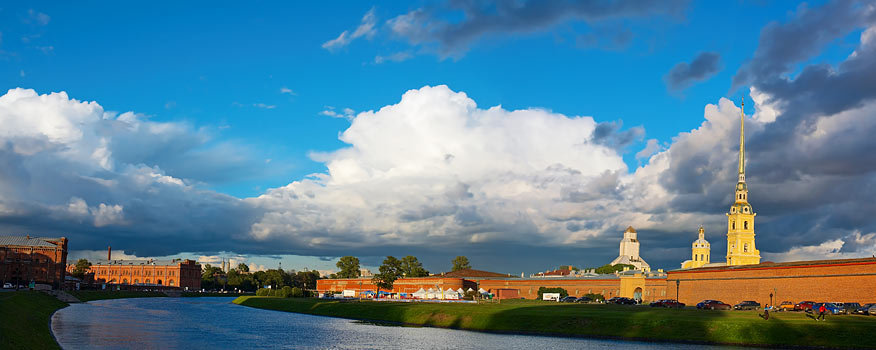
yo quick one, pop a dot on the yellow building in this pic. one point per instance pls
(700, 252)
(740, 220)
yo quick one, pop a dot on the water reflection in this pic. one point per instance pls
(215, 323)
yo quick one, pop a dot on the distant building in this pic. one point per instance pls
(166, 273)
(39, 259)
(700, 251)
(629, 251)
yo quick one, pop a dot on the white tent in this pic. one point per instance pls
(482, 291)
(430, 294)
(451, 294)
(460, 291)
(421, 294)
(470, 290)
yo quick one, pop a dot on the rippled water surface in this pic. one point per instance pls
(216, 323)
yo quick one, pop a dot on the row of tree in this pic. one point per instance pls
(409, 266)
(240, 278)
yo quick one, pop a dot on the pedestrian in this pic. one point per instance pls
(766, 312)
(821, 311)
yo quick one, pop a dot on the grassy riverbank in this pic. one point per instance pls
(613, 321)
(89, 295)
(211, 294)
(24, 320)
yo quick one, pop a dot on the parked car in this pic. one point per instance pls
(864, 310)
(747, 305)
(612, 300)
(7, 286)
(704, 302)
(667, 303)
(583, 300)
(872, 310)
(803, 306)
(849, 308)
(786, 306)
(831, 308)
(716, 305)
(568, 299)
(625, 301)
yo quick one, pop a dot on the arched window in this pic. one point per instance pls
(695, 257)
(733, 225)
(170, 283)
(147, 281)
(136, 281)
(701, 257)
(158, 282)
(745, 224)
(745, 248)
(125, 281)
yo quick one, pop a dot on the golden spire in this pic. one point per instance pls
(742, 143)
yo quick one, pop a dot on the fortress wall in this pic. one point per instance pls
(851, 280)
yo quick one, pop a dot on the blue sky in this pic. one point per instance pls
(256, 79)
(211, 66)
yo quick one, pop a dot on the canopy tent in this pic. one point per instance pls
(421, 294)
(470, 290)
(451, 294)
(460, 291)
(482, 291)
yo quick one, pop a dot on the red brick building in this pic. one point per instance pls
(178, 273)
(24, 259)
(844, 280)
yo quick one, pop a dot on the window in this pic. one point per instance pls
(745, 224)
(745, 248)
(733, 225)
(701, 257)
(695, 257)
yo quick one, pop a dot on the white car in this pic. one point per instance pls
(872, 310)
(7, 285)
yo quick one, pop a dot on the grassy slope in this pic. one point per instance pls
(89, 295)
(24, 320)
(727, 327)
(198, 294)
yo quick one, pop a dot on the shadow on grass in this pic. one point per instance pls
(602, 321)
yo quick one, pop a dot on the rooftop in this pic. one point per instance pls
(29, 241)
(473, 273)
(173, 262)
(768, 264)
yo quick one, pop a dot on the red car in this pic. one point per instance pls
(803, 306)
(716, 305)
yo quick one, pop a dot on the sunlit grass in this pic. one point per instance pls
(613, 321)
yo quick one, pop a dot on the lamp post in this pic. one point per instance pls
(677, 302)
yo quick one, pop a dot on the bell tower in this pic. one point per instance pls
(700, 251)
(740, 220)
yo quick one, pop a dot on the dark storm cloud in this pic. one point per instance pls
(684, 74)
(811, 171)
(482, 18)
(805, 35)
(609, 134)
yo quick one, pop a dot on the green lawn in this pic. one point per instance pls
(615, 321)
(24, 320)
(89, 295)
(210, 294)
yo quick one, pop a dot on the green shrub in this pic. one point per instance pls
(296, 292)
(263, 292)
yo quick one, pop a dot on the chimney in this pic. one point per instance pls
(109, 253)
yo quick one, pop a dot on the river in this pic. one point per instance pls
(216, 323)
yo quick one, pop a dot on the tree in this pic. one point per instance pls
(349, 267)
(411, 267)
(460, 263)
(82, 266)
(608, 268)
(242, 267)
(390, 271)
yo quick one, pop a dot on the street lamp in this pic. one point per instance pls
(677, 298)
